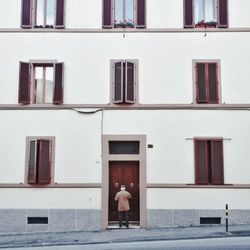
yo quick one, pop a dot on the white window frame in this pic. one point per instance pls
(34, 64)
(44, 14)
(204, 11)
(124, 13)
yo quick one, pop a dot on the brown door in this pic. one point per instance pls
(124, 173)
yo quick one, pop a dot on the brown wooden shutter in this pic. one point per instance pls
(107, 14)
(201, 93)
(213, 83)
(32, 164)
(201, 166)
(188, 14)
(223, 14)
(141, 14)
(58, 89)
(130, 83)
(217, 162)
(44, 162)
(118, 82)
(59, 22)
(26, 14)
(24, 83)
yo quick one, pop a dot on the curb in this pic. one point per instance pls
(138, 239)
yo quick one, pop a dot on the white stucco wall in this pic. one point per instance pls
(197, 198)
(172, 158)
(165, 63)
(165, 77)
(160, 14)
(55, 198)
(86, 14)
(10, 14)
(77, 144)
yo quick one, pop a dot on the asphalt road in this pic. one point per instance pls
(234, 243)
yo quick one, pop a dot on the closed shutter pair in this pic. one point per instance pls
(222, 21)
(209, 162)
(39, 165)
(27, 14)
(108, 13)
(207, 83)
(25, 82)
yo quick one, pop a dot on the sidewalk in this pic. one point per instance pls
(120, 235)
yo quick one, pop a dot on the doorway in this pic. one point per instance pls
(124, 173)
(124, 160)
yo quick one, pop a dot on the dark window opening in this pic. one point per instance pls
(210, 220)
(37, 220)
(124, 147)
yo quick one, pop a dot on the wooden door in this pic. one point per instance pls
(124, 173)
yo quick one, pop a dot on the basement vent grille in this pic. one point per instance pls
(37, 220)
(210, 220)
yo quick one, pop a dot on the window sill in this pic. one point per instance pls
(205, 26)
(43, 27)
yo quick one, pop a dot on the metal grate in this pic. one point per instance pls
(37, 220)
(210, 220)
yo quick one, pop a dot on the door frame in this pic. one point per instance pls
(106, 158)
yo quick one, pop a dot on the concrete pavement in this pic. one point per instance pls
(120, 235)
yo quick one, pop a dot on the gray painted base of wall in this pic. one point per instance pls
(158, 218)
(59, 220)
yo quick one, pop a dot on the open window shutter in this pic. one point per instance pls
(32, 169)
(118, 82)
(107, 14)
(24, 83)
(141, 14)
(44, 162)
(26, 14)
(213, 82)
(188, 14)
(58, 89)
(217, 162)
(201, 95)
(59, 22)
(223, 14)
(201, 171)
(130, 82)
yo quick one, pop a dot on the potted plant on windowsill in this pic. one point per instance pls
(203, 24)
(124, 24)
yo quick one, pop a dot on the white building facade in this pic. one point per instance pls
(153, 94)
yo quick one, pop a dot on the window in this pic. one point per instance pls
(39, 160)
(124, 13)
(124, 147)
(45, 13)
(209, 161)
(41, 83)
(206, 81)
(42, 13)
(124, 81)
(205, 13)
